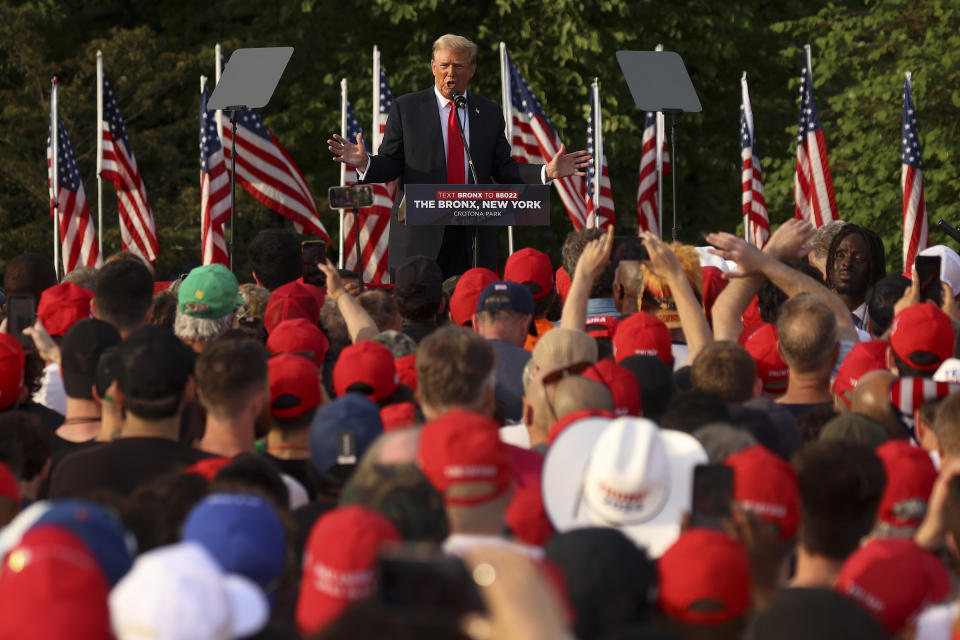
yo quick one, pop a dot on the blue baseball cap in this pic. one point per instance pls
(505, 295)
(340, 434)
(99, 529)
(244, 535)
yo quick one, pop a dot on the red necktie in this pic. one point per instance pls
(456, 174)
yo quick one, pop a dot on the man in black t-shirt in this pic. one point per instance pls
(155, 368)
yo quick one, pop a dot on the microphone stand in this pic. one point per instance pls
(459, 100)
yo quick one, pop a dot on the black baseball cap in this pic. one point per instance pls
(418, 278)
(80, 352)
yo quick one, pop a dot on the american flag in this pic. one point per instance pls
(534, 140)
(915, 237)
(269, 174)
(214, 189)
(813, 185)
(78, 240)
(755, 218)
(600, 211)
(375, 220)
(648, 214)
(138, 234)
(909, 394)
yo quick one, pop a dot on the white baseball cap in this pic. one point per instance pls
(627, 474)
(178, 592)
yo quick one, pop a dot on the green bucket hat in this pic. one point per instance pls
(210, 291)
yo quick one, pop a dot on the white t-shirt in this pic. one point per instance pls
(51, 393)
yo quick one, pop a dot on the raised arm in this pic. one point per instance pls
(360, 325)
(592, 262)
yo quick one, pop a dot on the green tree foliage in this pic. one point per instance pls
(154, 54)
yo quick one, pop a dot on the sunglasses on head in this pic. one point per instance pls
(573, 370)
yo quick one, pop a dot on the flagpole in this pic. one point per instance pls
(99, 151)
(375, 122)
(806, 52)
(597, 151)
(54, 175)
(217, 71)
(507, 117)
(660, 134)
(343, 166)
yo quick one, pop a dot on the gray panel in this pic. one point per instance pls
(250, 78)
(659, 81)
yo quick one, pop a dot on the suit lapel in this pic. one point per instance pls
(433, 138)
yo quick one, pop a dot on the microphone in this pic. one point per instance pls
(458, 98)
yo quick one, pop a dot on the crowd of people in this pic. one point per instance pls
(651, 440)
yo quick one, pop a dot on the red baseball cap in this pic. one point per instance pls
(526, 516)
(564, 282)
(894, 580)
(12, 362)
(463, 302)
(561, 424)
(530, 265)
(8, 484)
(642, 334)
(910, 478)
(863, 358)
(760, 341)
(601, 326)
(52, 587)
(292, 300)
(713, 285)
(922, 327)
(366, 362)
(622, 384)
(294, 385)
(704, 578)
(340, 563)
(399, 415)
(464, 447)
(766, 485)
(751, 315)
(299, 335)
(407, 370)
(62, 305)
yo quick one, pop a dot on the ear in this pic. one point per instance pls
(527, 415)
(93, 308)
(890, 362)
(474, 325)
(255, 278)
(114, 390)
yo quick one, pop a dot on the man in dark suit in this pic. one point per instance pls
(421, 145)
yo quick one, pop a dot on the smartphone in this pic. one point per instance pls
(712, 496)
(311, 253)
(419, 575)
(355, 196)
(928, 273)
(628, 248)
(21, 313)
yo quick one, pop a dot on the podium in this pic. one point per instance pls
(477, 204)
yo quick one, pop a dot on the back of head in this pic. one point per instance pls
(807, 330)
(418, 289)
(454, 369)
(275, 257)
(576, 393)
(881, 298)
(690, 410)
(573, 246)
(946, 424)
(871, 398)
(726, 369)
(154, 369)
(124, 294)
(229, 373)
(80, 353)
(381, 306)
(825, 614)
(656, 383)
(29, 273)
(840, 486)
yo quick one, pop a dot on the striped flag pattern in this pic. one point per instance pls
(915, 237)
(909, 394)
(813, 185)
(269, 174)
(214, 189)
(78, 239)
(648, 214)
(138, 234)
(534, 140)
(597, 193)
(756, 221)
(375, 220)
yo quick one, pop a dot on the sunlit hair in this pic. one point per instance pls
(451, 42)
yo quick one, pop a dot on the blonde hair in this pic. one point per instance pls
(451, 42)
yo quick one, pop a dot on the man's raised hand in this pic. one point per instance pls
(790, 240)
(565, 164)
(731, 247)
(353, 154)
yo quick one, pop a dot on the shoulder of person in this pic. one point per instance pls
(477, 101)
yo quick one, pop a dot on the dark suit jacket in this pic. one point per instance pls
(412, 150)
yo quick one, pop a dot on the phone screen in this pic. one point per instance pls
(21, 313)
(928, 273)
(712, 496)
(313, 252)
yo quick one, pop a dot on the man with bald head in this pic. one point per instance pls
(871, 397)
(807, 330)
(549, 399)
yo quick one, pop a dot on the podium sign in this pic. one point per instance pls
(478, 204)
